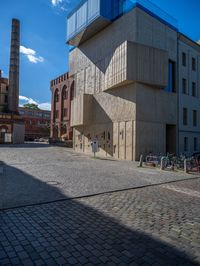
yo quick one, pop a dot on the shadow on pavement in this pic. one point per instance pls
(26, 145)
(71, 232)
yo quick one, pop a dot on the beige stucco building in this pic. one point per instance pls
(125, 68)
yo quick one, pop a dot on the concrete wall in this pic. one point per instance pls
(126, 81)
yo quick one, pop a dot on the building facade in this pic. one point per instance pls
(62, 89)
(126, 69)
(189, 95)
(37, 123)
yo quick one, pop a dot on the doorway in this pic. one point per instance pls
(171, 139)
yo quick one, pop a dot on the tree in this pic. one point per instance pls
(31, 106)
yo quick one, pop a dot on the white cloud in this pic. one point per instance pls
(44, 106)
(61, 4)
(56, 2)
(24, 100)
(198, 42)
(31, 55)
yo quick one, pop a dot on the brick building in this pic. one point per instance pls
(62, 89)
(37, 123)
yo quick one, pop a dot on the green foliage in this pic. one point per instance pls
(31, 106)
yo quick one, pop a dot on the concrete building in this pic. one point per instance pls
(37, 123)
(125, 63)
(11, 124)
(62, 89)
(189, 95)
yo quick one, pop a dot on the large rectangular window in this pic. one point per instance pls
(194, 118)
(194, 89)
(184, 86)
(193, 64)
(195, 144)
(171, 77)
(185, 116)
(184, 59)
(185, 144)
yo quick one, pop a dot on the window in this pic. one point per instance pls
(195, 144)
(193, 64)
(184, 59)
(184, 86)
(108, 135)
(194, 118)
(65, 94)
(57, 114)
(194, 90)
(65, 112)
(185, 144)
(6, 99)
(171, 77)
(185, 116)
(56, 96)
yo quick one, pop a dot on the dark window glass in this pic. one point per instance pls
(194, 91)
(193, 64)
(184, 59)
(184, 86)
(195, 144)
(194, 118)
(57, 114)
(65, 112)
(185, 144)
(185, 116)
(171, 77)
(6, 98)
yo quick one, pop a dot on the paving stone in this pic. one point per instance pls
(145, 226)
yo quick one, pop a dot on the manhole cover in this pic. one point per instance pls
(53, 183)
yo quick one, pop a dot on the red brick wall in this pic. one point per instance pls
(62, 90)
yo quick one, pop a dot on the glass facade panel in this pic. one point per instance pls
(111, 10)
(93, 9)
(71, 25)
(81, 15)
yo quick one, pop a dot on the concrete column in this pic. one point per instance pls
(13, 91)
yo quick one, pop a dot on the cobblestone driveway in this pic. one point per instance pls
(157, 224)
(146, 226)
(39, 173)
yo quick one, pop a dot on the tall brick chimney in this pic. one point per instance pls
(13, 91)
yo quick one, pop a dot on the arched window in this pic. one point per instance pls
(56, 99)
(64, 93)
(56, 96)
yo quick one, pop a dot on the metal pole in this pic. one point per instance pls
(141, 161)
(185, 166)
(162, 166)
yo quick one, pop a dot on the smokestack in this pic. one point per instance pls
(13, 91)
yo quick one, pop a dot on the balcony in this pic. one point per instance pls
(134, 62)
(81, 110)
(91, 16)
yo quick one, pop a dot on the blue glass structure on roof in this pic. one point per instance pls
(93, 15)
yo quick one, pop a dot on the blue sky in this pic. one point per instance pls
(44, 54)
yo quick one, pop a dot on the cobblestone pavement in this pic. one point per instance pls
(157, 225)
(38, 173)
